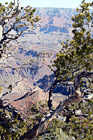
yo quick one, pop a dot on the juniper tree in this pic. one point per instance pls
(14, 18)
(14, 21)
(75, 57)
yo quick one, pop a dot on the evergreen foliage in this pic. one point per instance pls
(11, 125)
(16, 19)
(80, 125)
(76, 55)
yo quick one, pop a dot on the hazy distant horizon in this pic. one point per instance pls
(54, 7)
(50, 3)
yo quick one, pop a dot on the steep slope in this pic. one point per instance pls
(24, 95)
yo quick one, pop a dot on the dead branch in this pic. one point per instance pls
(41, 127)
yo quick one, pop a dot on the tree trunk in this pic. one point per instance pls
(41, 127)
(18, 4)
(1, 32)
(50, 94)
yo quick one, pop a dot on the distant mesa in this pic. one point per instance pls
(53, 28)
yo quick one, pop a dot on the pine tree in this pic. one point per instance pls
(75, 57)
(13, 17)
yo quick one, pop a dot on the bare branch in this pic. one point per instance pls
(76, 85)
(11, 38)
(41, 127)
(10, 16)
(12, 27)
